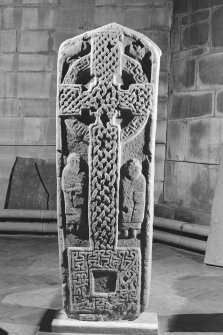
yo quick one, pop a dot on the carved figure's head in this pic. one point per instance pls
(74, 160)
(133, 169)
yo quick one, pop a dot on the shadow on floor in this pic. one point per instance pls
(45, 322)
(3, 332)
(212, 323)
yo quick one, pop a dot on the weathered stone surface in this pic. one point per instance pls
(74, 186)
(165, 63)
(2, 85)
(25, 189)
(46, 152)
(6, 2)
(161, 38)
(200, 4)
(48, 130)
(1, 19)
(160, 153)
(183, 74)
(36, 62)
(11, 88)
(147, 18)
(132, 198)
(158, 191)
(31, 184)
(87, 16)
(191, 105)
(215, 2)
(8, 107)
(22, 130)
(8, 62)
(35, 85)
(196, 34)
(34, 41)
(214, 250)
(145, 324)
(36, 108)
(191, 215)
(180, 6)
(162, 110)
(195, 17)
(8, 41)
(163, 211)
(161, 132)
(190, 184)
(103, 15)
(209, 69)
(203, 140)
(163, 84)
(159, 171)
(105, 155)
(217, 26)
(219, 102)
(176, 140)
(194, 52)
(6, 168)
(47, 172)
(69, 15)
(58, 37)
(29, 17)
(175, 35)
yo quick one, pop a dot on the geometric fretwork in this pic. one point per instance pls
(106, 98)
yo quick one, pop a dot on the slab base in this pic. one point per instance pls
(145, 324)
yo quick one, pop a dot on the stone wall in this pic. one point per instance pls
(30, 34)
(195, 117)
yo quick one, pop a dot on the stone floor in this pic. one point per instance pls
(186, 294)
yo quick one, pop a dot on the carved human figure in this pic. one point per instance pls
(106, 113)
(74, 189)
(132, 198)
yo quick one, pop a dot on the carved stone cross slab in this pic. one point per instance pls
(107, 95)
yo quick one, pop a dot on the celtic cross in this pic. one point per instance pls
(102, 279)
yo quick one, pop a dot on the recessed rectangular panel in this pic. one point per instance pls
(104, 281)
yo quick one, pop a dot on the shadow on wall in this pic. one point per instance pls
(32, 184)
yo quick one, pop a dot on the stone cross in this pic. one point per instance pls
(107, 93)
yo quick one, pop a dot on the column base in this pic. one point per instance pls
(145, 324)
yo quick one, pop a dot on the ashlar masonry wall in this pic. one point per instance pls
(30, 34)
(195, 117)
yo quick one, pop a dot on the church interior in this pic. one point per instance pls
(187, 253)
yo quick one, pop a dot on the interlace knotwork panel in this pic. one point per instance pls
(126, 296)
(105, 99)
(104, 184)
